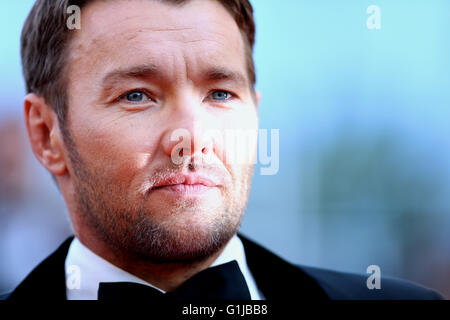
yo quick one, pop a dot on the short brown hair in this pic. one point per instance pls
(45, 39)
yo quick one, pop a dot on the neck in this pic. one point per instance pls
(166, 277)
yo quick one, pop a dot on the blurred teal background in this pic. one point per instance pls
(364, 119)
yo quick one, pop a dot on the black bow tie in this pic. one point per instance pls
(222, 282)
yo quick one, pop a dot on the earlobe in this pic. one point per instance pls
(44, 134)
(258, 98)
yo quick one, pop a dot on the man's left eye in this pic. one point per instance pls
(221, 95)
(135, 96)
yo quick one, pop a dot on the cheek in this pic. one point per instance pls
(116, 149)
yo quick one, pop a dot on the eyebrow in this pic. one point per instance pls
(142, 71)
(219, 74)
(148, 71)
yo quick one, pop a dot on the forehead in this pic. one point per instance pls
(147, 31)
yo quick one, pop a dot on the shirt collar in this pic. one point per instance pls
(85, 270)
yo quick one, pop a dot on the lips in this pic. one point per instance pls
(185, 184)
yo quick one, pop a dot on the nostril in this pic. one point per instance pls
(204, 150)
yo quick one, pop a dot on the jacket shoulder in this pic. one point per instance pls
(276, 277)
(47, 280)
(345, 285)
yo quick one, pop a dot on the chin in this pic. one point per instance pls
(186, 246)
(184, 237)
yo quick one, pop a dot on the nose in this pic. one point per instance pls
(185, 139)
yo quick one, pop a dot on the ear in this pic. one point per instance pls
(258, 98)
(44, 134)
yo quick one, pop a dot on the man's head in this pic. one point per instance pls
(105, 103)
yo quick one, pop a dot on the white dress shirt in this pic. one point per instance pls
(85, 270)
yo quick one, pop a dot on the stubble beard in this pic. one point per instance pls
(129, 229)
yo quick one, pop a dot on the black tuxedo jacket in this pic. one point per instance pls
(277, 279)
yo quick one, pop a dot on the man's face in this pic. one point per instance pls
(139, 72)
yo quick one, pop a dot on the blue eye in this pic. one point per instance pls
(221, 95)
(136, 96)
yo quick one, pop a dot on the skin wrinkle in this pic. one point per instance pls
(135, 34)
(105, 37)
(122, 25)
